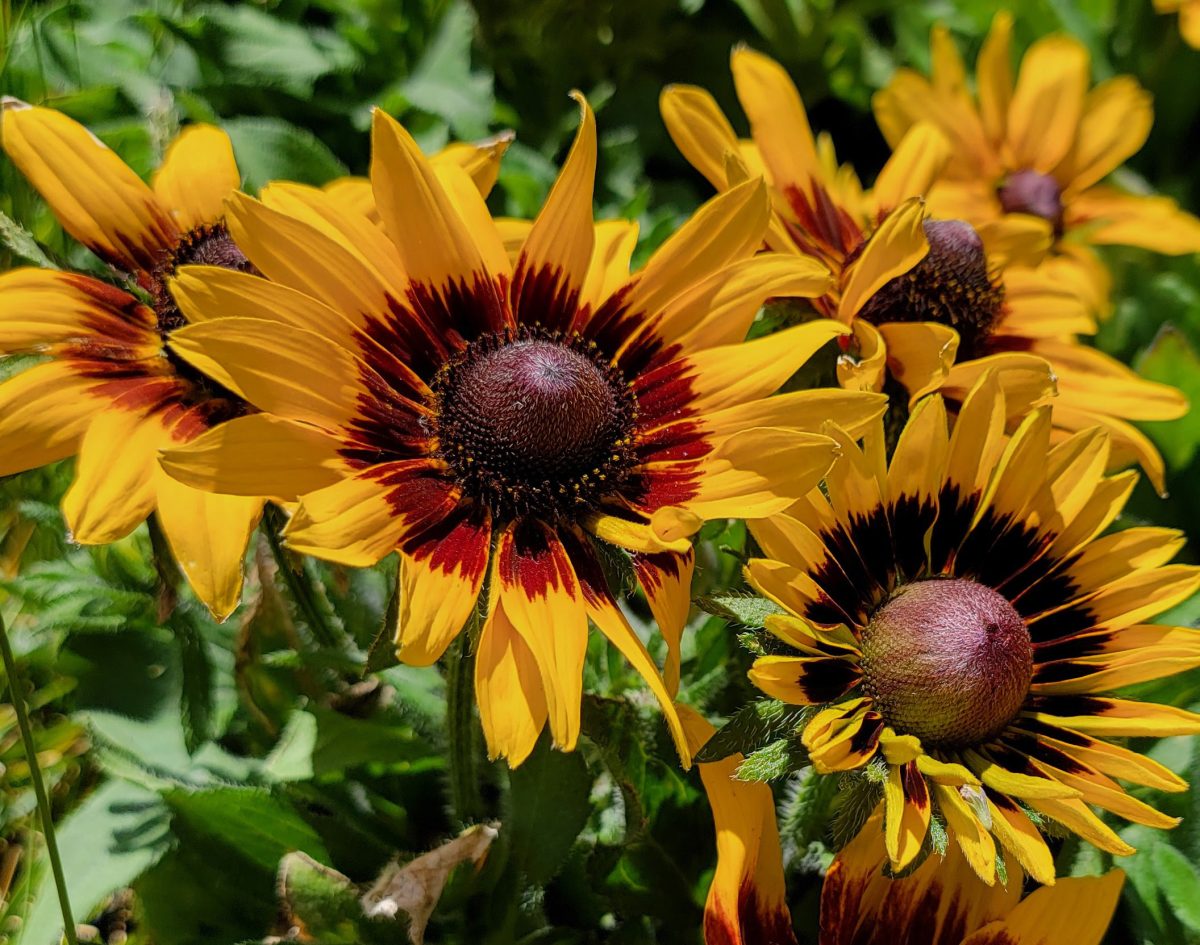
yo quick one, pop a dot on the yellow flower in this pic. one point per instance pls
(113, 395)
(942, 902)
(1189, 18)
(960, 623)
(747, 899)
(422, 392)
(1039, 147)
(934, 300)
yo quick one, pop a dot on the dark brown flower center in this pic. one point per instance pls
(951, 285)
(1036, 194)
(534, 423)
(207, 245)
(947, 660)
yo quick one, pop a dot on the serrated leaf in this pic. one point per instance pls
(746, 609)
(774, 761)
(753, 727)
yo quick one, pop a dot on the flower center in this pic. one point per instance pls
(951, 285)
(534, 423)
(947, 660)
(207, 245)
(1036, 194)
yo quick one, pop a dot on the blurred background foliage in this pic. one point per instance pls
(224, 783)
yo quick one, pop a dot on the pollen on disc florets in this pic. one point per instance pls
(207, 245)
(951, 285)
(1034, 193)
(534, 422)
(947, 660)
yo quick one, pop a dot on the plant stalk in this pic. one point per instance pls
(39, 787)
(299, 582)
(460, 699)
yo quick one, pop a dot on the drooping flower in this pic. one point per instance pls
(961, 623)
(421, 392)
(942, 902)
(1189, 18)
(934, 299)
(747, 899)
(1038, 147)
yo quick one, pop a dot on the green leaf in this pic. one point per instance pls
(272, 149)
(746, 609)
(291, 758)
(753, 727)
(549, 805)
(443, 82)
(107, 842)
(1179, 880)
(774, 761)
(21, 242)
(1171, 359)
(260, 826)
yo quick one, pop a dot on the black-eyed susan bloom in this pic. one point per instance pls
(421, 392)
(942, 902)
(934, 299)
(1038, 147)
(961, 626)
(112, 394)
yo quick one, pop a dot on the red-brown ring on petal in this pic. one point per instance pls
(947, 660)
(1034, 193)
(534, 422)
(951, 285)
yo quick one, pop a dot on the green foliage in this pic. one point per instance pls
(247, 778)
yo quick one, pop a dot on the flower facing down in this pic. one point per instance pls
(942, 902)
(492, 421)
(113, 394)
(1038, 147)
(747, 900)
(934, 299)
(960, 623)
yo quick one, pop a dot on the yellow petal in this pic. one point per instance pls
(699, 129)
(44, 412)
(508, 689)
(913, 167)
(1047, 104)
(893, 249)
(197, 173)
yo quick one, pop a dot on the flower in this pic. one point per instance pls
(959, 622)
(115, 394)
(747, 899)
(1189, 18)
(112, 393)
(1038, 148)
(934, 300)
(942, 902)
(420, 392)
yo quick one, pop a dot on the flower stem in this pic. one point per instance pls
(39, 788)
(299, 582)
(460, 698)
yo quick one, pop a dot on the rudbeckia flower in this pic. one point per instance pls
(934, 299)
(960, 624)
(1189, 18)
(942, 902)
(747, 899)
(112, 393)
(1038, 147)
(421, 393)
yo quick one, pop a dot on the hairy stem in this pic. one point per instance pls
(460, 699)
(39, 787)
(300, 582)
